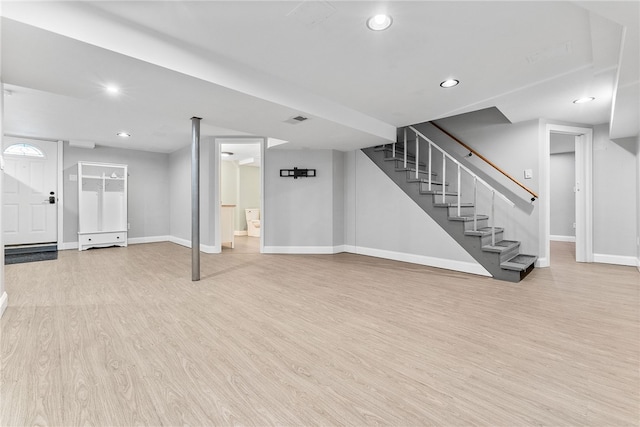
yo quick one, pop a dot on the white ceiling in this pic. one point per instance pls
(247, 67)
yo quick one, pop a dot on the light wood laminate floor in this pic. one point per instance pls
(122, 337)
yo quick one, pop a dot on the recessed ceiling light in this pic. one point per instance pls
(379, 22)
(583, 100)
(449, 83)
(112, 89)
(123, 134)
(226, 154)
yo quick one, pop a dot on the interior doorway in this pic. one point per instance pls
(582, 200)
(31, 200)
(240, 225)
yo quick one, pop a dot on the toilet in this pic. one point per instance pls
(253, 222)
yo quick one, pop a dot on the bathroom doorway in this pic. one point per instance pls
(240, 198)
(582, 225)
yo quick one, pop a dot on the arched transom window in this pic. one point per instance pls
(23, 150)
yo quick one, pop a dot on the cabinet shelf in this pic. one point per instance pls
(102, 205)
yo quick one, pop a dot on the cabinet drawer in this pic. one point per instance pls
(102, 239)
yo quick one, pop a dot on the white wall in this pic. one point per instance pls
(382, 220)
(240, 186)
(248, 193)
(229, 188)
(300, 212)
(148, 191)
(563, 201)
(614, 204)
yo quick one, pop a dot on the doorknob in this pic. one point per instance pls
(52, 198)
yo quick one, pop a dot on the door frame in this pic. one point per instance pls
(583, 194)
(217, 144)
(59, 182)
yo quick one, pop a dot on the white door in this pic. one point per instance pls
(29, 192)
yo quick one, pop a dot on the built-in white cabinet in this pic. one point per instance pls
(102, 205)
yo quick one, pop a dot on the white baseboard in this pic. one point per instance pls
(316, 250)
(187, 243)
(240, 233)
(150, 239)
(4, 302)
(542, 263)
(67, 246)
(615, 259)
(563, 238)
(130, 241)
(638, 264)
(448, 264)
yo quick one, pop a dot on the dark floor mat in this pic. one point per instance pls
(30, 257)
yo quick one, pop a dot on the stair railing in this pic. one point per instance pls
(460, 168)
(533, 194)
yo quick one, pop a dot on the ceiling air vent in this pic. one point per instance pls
(297, 119)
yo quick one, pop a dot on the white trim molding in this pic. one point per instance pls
(203, 248)
(448, 264)
(630, 261)
(304, 250)
(150, 239)
(65, 246)
(555, 238)
(4, 302)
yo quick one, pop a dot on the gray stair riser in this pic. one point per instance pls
(411, 174)
(437, 198)
(464, 210)
(486, 240)
(507, 255)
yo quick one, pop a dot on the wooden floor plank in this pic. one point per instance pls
(121, 336)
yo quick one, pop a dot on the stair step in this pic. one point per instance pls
(413, 171)
(426, 181)
(467, 218)
(520, 262)
(453, 205)
(502, 246)
(401, 160)
(484, 231)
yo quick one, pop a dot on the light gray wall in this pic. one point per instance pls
(148, 189)
(180, 192)
(379, 215)
(249, 193)
(299, 212)
(563, 201)
(339, 197)
(614, 178)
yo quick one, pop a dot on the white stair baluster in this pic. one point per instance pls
(444, 177)
(459, 200)
(475, 203)
(405, 148)
(417, 154)
(493, 218)
(429, 166)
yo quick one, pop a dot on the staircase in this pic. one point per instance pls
(428, 186)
